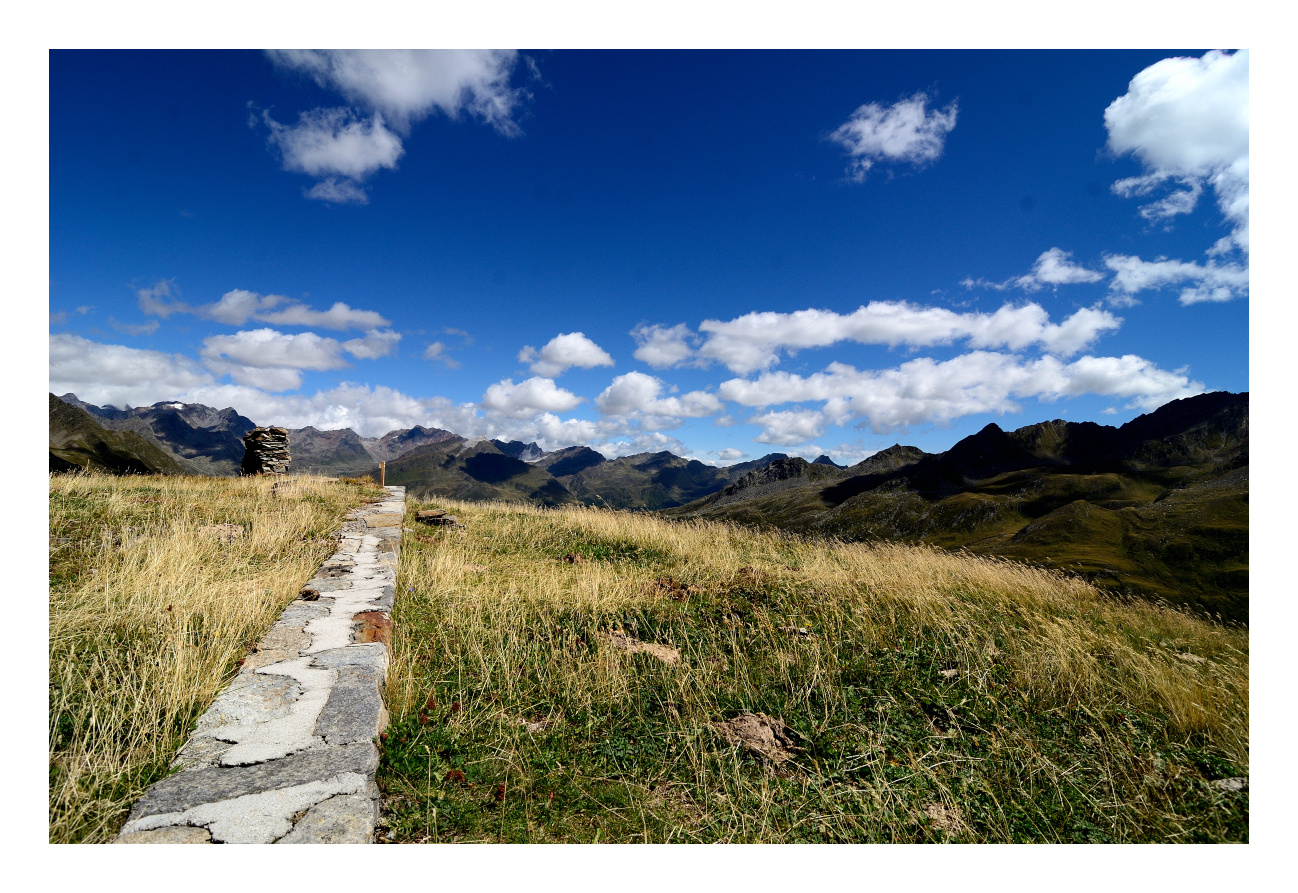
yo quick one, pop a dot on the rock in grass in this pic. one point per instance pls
(760, 733)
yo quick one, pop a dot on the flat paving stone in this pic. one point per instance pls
(348, 818)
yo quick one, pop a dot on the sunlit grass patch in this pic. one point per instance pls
(935, 696)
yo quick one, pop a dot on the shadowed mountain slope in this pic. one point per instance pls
(206, 440)
(473, 471)
(651, 480)
(79, 442)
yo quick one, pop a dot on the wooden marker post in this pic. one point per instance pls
(383, 472)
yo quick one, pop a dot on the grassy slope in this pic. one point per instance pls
(150, 613)
(1171, 536)
(77, 440)
(938, 696)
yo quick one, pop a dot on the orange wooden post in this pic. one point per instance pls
(383, 472)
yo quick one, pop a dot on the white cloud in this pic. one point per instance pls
(156, 301)
(789, 427)
(638, 393)
(117, 375)
(1054, 267)
(562, 353)
(1208, 282)
(528, 397)
(903, 132)
(408, 85)
(375, 344)
(344, 146)
(370, 412)
(339, 316)
(338, 191)
(755, 340)
(1186, 120)
(927, 391)
(663, 346)
(267, 348)
(335, 143)
(239, 305)
(730, 454)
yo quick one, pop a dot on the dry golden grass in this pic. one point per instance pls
(158, 586)
(494, 617)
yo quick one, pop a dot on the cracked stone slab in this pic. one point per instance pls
(278, 733)
(186, 790)
(347, 818)
(257, 818)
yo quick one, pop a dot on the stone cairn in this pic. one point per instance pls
(266, 451)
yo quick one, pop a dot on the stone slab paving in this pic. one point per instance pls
(287, 753)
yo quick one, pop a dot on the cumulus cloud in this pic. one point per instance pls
(755, 340)
(528, 397)
(1186, 120)
(562, 353)
(409, 85)
(375, 344)
(730, 454)
(387, 91)
(1054, 268)
(927, 391)
(117, 375)
(329, 142)
(638, 393)
(265, 348)
(789, 427)
(239, 305)
(663, 346)
(1206, 282)
(905, 132)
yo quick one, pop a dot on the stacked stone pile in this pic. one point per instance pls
(266, 451)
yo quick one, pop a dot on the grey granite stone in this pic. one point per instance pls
(372, 654)
(299, 614)
(185, 790)
(354, 711)
(348, 818)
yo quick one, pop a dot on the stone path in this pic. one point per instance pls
(286, 754)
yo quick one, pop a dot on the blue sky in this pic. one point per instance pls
(719, 253)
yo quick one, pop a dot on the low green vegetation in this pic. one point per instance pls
(582, 675)
(157, 587)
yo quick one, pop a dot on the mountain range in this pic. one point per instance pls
(1157, 507)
